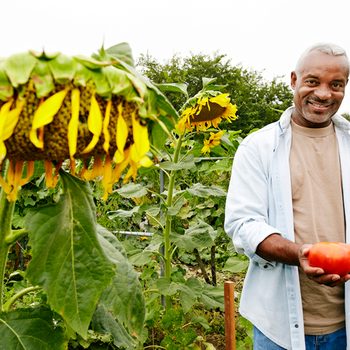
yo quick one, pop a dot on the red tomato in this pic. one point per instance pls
(332, 257)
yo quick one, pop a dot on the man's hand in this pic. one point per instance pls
(316, 273)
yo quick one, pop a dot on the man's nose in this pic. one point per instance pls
(323, 92)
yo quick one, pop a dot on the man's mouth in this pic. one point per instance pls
(320, 106)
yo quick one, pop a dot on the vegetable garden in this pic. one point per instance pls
(112, 199)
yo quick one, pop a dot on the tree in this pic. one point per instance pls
(259, 101)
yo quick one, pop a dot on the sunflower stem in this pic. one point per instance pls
(14, 298)
(168, 220)
(6, 214)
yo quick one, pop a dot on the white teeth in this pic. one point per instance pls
(318, 105)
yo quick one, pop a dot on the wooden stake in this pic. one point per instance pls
(230, 326)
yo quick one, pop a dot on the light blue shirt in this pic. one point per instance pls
(259, 203)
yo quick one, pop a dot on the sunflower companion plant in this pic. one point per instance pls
(77, 118)
(200, 114)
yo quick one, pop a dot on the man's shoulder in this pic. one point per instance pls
(265, 134)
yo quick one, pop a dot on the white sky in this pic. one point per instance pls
(265, 35)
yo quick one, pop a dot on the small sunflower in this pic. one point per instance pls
(207, 111)
(212, 141)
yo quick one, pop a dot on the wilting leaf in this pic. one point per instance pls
(67, 259)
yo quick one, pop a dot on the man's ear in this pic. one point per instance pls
(293, 79)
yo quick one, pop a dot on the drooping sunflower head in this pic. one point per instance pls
(206, 110)
(55, 107)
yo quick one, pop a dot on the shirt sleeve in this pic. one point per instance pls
(247, 203)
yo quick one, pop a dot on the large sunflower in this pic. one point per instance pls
(55, 107)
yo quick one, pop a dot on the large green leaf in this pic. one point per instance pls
(105, 322)
(67, 259)
(30, 329)
(123, 298)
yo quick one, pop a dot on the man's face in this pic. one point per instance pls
(319, 86)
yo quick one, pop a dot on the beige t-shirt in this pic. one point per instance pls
(318, 216)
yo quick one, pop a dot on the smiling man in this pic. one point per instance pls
(289, 189)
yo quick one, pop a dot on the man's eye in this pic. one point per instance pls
(311, 82)
(337, 85)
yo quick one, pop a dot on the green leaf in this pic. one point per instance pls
(90, 62)
(6, 89)
(207, 81)
(62, 68)
(187, 163)
(132, 190)
(235, 264)
(67, 259)
(42, 79)
(122, 52)
(105, 322)
(30, 329)
(173, 87)
(158, 134)
(155, 97)
(203, 191)
(213, 297)
(124, 297)
(174, 210)
(199, 235)
(101, 82)
(166, 287)
(118, 79)
(220, 165)
(141, 258)
(18, 68)
(120, 213)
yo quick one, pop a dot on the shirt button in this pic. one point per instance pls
(296, 325)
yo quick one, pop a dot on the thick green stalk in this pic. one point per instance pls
(168, 220)
(6, 214)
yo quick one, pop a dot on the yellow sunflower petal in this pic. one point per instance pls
(222, 100)
(106, 133)
(206, 148)
(74, 123)
(94, 124)
(45, 114)
(4, 185)
(119, 168)
(3, 116)
(146, 162)
(11, 121)
(141, 140)
(30, 172)
(107, 182)
(121, 136)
